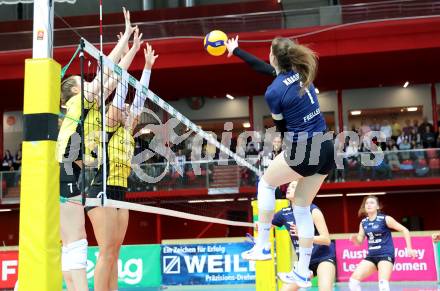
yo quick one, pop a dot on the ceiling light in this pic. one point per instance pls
(411, 108)
(366, 194)
(230, 97)
(246, 124)
(329, 195)
(356, 112)
(406, 84)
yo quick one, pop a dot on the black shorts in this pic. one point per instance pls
(69, 181)
(69, 189)
(314, 267)
(376, 260)
(113, 192)
(323, 164)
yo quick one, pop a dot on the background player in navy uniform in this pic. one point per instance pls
(377, 226)
(295, 109)
(322, 262)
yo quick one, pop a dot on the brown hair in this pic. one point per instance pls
(291, 55)
(66, 88)
(361, 211)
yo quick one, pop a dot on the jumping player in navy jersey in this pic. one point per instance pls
(295, 109)
(377, 226)
(323, 259)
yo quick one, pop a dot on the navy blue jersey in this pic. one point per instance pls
(380, 242)
(301, 113)
(320, 253)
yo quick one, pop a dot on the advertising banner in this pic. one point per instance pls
(8, 269)
(422, 268)
(206, 264)
(138, 266)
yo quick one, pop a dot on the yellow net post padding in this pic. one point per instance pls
(266, 271)
(40, 248)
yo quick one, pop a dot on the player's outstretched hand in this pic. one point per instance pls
(150, 57)
(128, 28)
(137, 40)
(231, 45)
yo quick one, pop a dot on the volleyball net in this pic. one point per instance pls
(148, 146)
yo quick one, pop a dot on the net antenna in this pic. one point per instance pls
(124, 77)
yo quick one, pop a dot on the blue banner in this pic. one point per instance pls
(206, 264)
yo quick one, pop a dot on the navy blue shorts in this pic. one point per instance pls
(314, 267)
(376, 260)
(324, 164)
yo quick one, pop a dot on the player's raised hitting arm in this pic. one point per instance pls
(256, 64)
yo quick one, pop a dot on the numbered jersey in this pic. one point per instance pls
(380, 241)
(300, 111)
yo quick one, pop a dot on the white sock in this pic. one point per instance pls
(304, 261)
(354, 285)
(304, 222)
(384, 285)
(263, 233)
(306, 230)
(139, 100)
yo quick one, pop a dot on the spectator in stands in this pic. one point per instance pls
(415, 137)
(365, 128)
(251, 150)
(407, 128)
(383, 169)
(428, 138)
(416, 125)
(386, 129)
(352, 158)
(8, 161)
(425, 123)
(405, 146)
(391, 153)
(375, 126)
(396, 130)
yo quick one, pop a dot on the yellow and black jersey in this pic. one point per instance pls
(71, 125)
(120, 149)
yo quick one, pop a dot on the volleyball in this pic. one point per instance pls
(214, 42)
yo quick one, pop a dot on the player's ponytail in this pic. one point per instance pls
(300, 58)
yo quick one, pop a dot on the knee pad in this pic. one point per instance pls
(354, 285)
(384, 285)
(266, 196)
(304, 222)
(64, 259)
(77, 255)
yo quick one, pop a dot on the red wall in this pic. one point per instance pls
(142, 226)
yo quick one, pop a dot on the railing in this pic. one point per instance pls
(198, 27)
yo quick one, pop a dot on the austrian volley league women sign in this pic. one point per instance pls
(422, 268)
